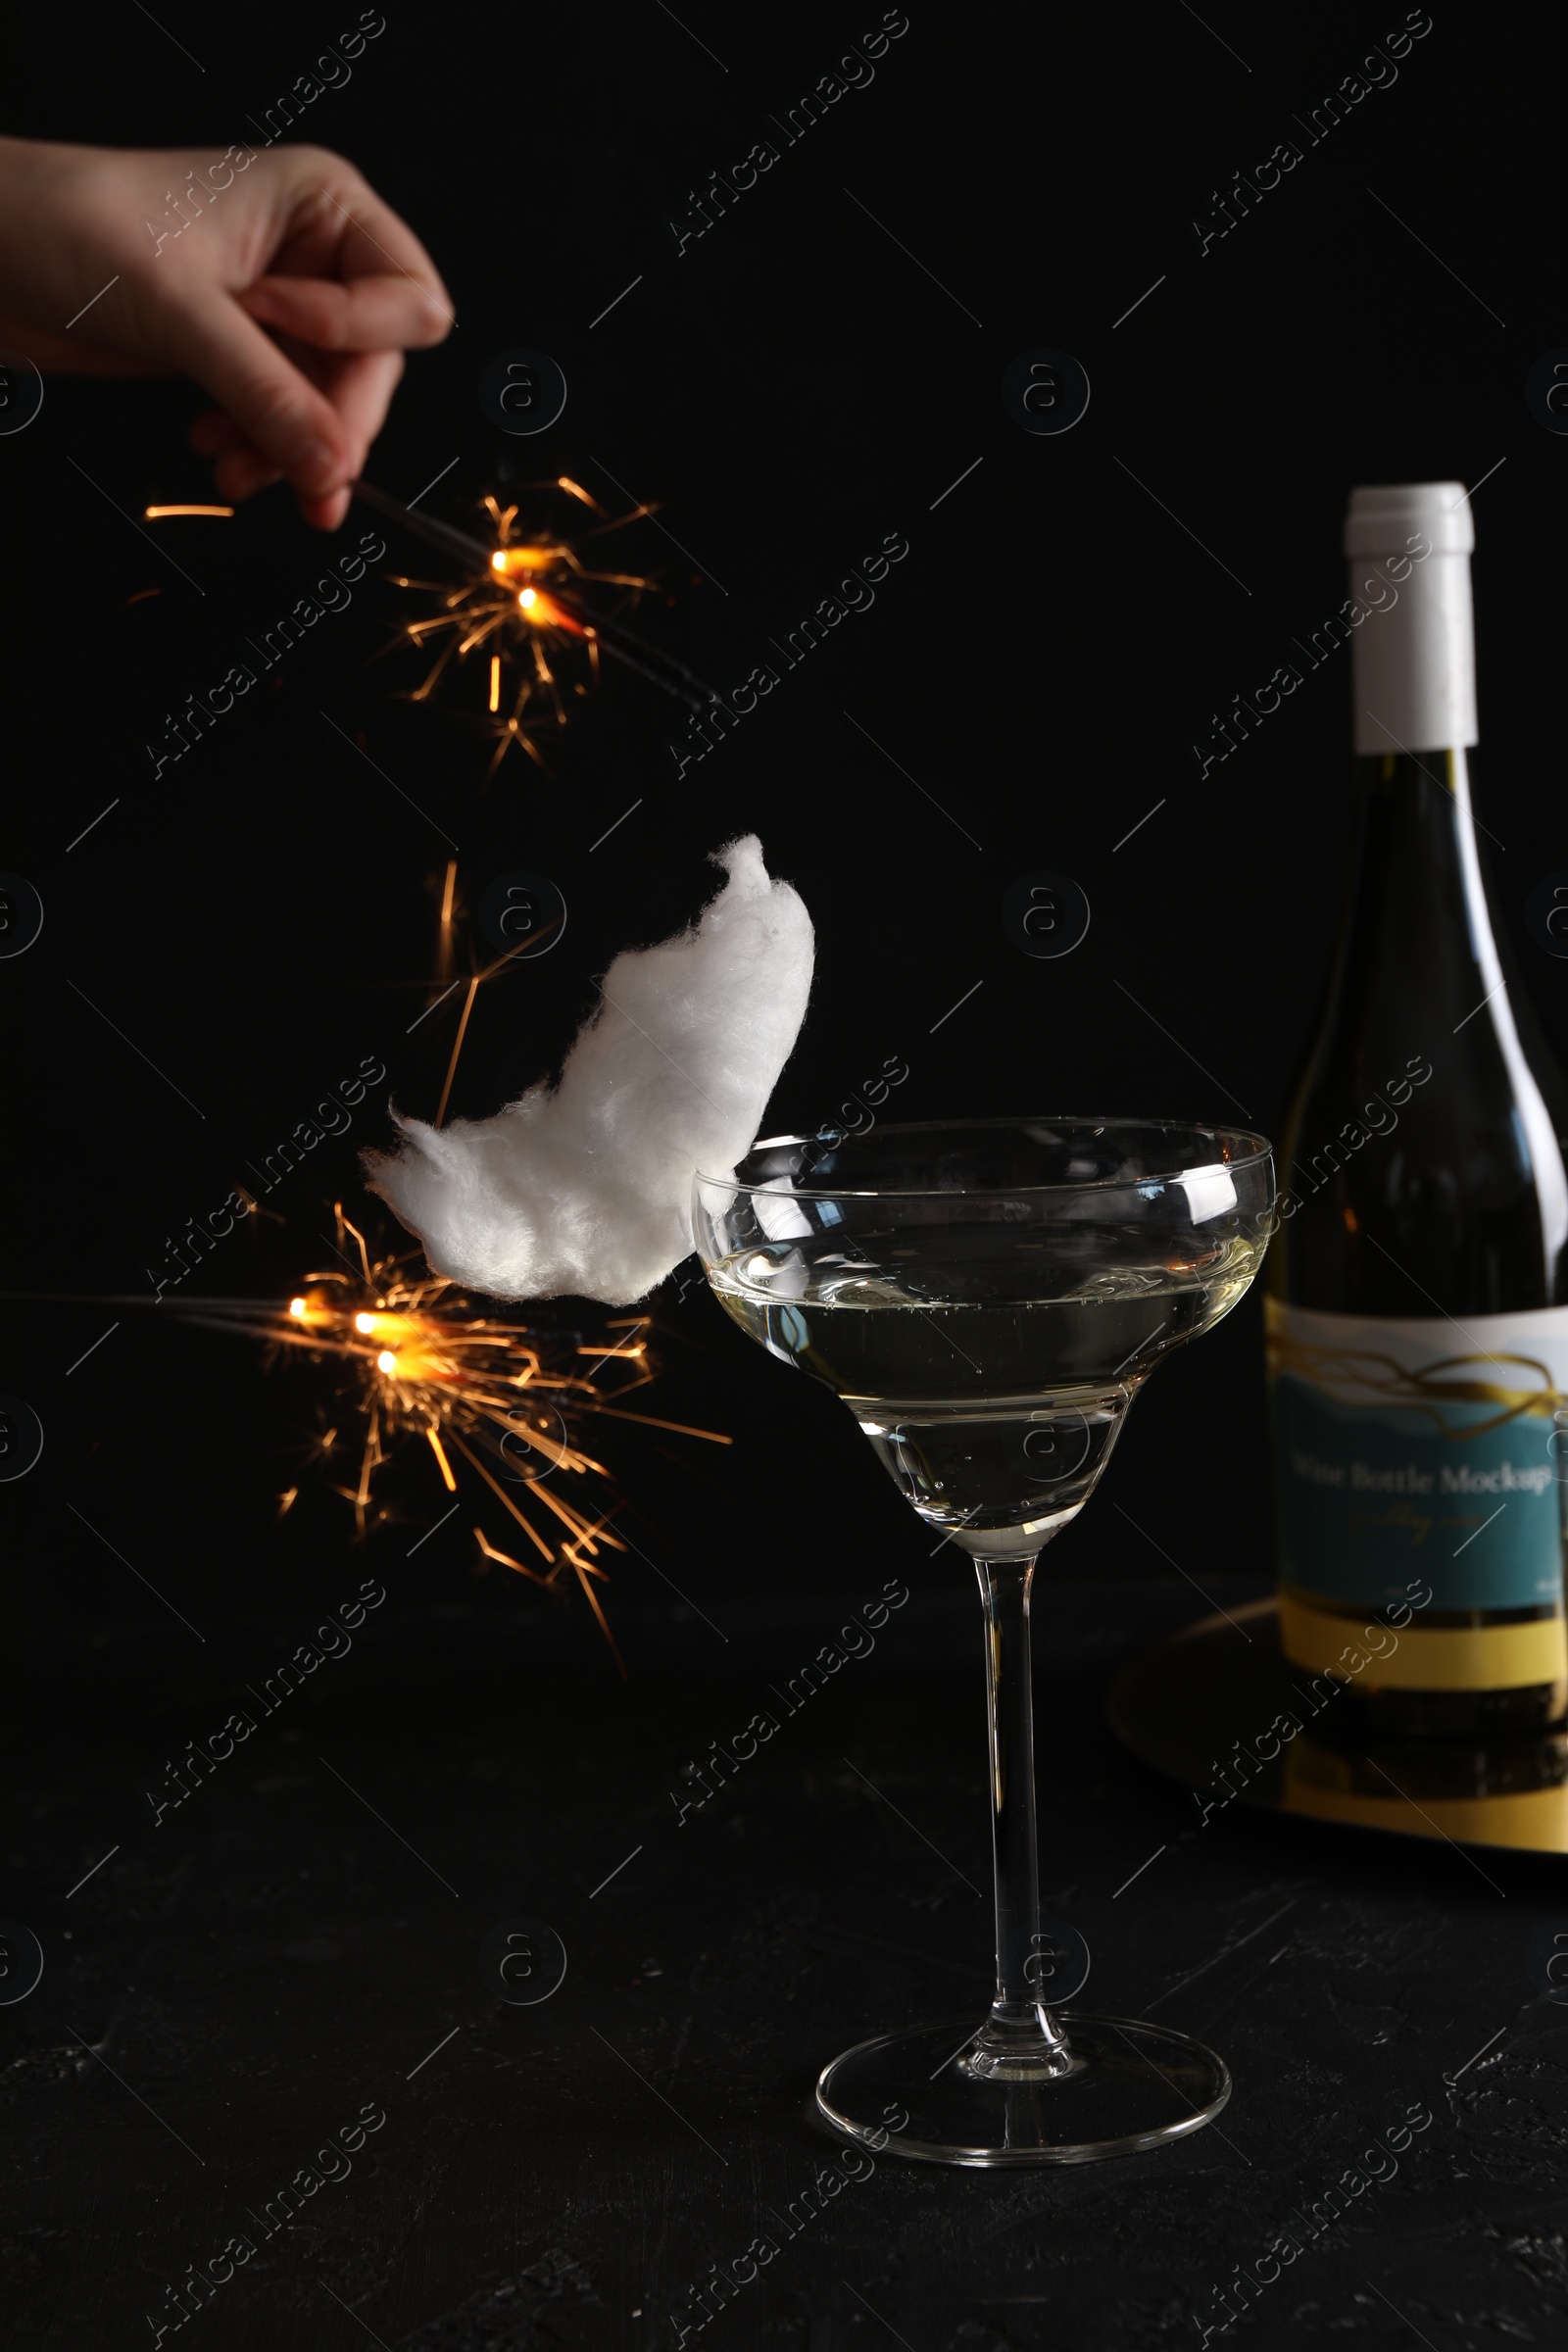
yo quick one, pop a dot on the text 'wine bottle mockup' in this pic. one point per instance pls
(1417, 1314)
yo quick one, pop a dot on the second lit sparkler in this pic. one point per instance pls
(502, 1399)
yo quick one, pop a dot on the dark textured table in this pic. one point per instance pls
(236, 1995)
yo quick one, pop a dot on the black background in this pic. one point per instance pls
(790, 388)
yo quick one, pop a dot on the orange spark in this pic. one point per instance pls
(525, 612)
(497, 1397)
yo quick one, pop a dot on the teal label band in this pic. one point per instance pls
(1423, 1448)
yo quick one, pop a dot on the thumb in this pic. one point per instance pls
(279, 410)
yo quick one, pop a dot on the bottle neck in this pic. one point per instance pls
(1416, 888)
(1416, 908)
(1415, 954)
(1416, 934)
(1419, 995)
(1418, 930)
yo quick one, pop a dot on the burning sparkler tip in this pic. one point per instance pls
(530, 601)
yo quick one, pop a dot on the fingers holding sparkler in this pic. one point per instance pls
(346, 289)
(289, 410)
(267, 278)
(354, 390)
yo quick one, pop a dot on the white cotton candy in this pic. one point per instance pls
(585, 1187)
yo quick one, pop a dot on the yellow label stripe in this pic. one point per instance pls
(1488, 1657)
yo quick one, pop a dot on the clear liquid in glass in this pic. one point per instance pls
(994, 1414)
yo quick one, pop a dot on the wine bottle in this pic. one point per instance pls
(1417, 1289)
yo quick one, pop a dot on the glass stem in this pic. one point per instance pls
(1020, 2040)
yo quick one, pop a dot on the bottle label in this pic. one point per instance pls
(1436, 1446)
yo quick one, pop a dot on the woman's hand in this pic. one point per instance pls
(278, 280)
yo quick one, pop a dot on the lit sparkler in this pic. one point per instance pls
(507, 1402)
(424, 1363)
(502, 1397)
(532, 609)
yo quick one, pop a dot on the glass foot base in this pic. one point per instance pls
(1126, 2086)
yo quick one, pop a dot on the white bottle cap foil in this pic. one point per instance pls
(1412, 651)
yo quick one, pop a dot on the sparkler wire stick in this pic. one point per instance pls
(444, 535)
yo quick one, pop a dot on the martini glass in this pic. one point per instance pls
(988, 1297)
